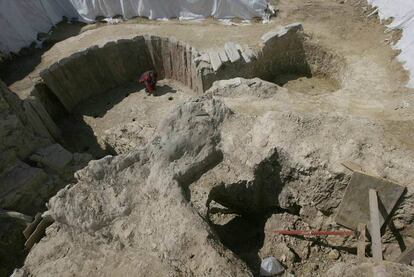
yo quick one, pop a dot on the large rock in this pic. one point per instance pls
(133, 209)
(292, 159)
(17, 137)
(148, 210)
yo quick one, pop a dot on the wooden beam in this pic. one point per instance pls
(352, 166)
(32, 226)
(375, 226)
(361, 240)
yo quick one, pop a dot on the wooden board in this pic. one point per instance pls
(375, 226)
(361, 240)
(354, 208)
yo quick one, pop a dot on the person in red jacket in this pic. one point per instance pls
(149, 80)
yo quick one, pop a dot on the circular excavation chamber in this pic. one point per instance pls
(95, 89)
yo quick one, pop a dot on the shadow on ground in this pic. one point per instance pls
(78, 136)
(244, 236)
(23, 63)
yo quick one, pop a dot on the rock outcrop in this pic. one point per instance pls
(133, 209)
(148, 210)
(32, 169)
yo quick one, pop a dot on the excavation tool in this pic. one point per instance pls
(314, 233)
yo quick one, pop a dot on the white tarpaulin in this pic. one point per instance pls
(153, 9)
(22, 20)
(403, 13)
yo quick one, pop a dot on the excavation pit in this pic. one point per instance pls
(147, 225)
(95, 90)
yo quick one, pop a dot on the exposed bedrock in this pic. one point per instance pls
(296, 156)
(28, 125)
(32, 169)
(24, 187)
(131, 211)
(147, 211)
(247, 147)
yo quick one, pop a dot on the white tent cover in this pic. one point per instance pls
(22, 20)
(403, 13)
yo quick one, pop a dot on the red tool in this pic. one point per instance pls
(314, 233)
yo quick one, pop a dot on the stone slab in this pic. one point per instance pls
(232, 51)
(247, 54)
(223, 55)
(53, 156)
(281, 32)
(36, 122)
(45, 117)
(354, 208)
(215, 59)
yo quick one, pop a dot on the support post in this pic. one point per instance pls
(361, 240)
(375, 226)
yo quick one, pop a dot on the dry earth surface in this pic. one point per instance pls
(195, 183)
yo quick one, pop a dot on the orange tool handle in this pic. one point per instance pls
(314, 233)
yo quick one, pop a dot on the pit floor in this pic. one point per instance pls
(315, 85)
(84, 129)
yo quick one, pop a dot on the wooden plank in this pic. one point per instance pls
(407, 256)
(38, 233)
(352, 166)
(361, 240)
(32, 226)
(375, 226)
(354, 208)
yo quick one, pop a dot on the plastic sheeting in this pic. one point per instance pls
(403, 13)
(153, 9)
(22, 20)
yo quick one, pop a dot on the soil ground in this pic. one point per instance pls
(371, 85)
(88, 123)
(374, 78)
